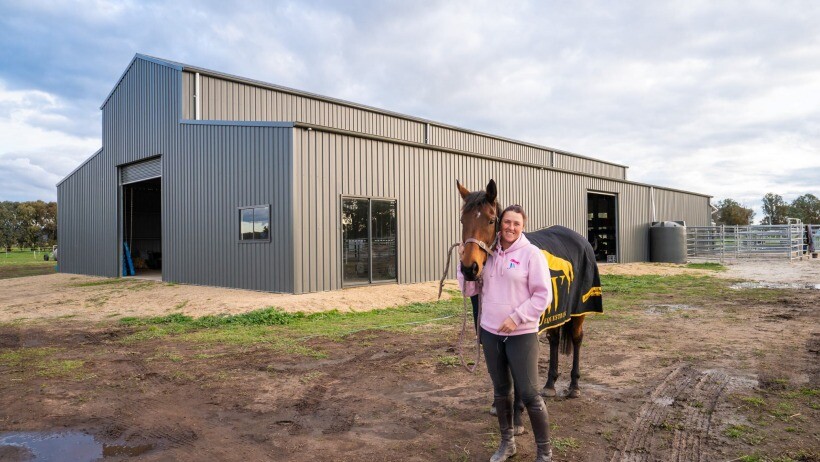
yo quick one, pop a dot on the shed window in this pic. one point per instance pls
(254, 223)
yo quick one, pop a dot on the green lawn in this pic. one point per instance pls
(19, 263)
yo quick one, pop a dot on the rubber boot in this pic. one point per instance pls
(506, 449)
(540, 429)
(518, 425)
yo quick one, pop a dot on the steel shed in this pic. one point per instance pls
(220, 148)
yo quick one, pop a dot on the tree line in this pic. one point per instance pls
(28, 224)
(776, 211)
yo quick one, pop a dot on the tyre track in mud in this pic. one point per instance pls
(124, 420)
(684, 400)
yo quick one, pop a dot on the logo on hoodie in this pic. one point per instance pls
(513, 263)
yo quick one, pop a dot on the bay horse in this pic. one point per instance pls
(574, 272)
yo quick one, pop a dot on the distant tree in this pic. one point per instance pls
(806, 208)
(29, 230)
(775, 210)
(9, 225)
(729, 212)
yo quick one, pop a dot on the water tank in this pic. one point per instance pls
(667, 242)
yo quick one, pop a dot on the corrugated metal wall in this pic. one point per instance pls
(211, 169)
(230, 100)
(579, 164)
(214, 171)
(208, 171)
(674, 206)
(87, 218)
(227, 100)
(328, 166)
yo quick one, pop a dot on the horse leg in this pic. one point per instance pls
(577, 338)
(553, 335)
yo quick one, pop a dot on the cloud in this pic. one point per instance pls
(35, 153)
(721, 98)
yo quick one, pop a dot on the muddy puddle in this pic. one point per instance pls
(774, 285)
(61, 446)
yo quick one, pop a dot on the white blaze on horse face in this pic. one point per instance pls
(478, 214)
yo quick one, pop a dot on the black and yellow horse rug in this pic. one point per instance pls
(576, 284)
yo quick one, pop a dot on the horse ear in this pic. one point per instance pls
(492, 192)
(462, 190)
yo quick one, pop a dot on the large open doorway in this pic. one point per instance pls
(142, 229)
(602, 226)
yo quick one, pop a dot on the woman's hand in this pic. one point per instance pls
(507, 327)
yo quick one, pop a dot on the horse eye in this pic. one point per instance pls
(492, 222)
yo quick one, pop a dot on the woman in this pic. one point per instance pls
(516, 290)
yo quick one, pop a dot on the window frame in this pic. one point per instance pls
(239, 224)
(370, 280)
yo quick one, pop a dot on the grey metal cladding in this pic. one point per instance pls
(207, 172)
(141, 171)
(330, 165)
(87, 219)
(213, 171)
(224, 99)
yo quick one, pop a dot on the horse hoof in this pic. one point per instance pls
(574, 393)
(519, 430)
(548, 392)
(493, 411)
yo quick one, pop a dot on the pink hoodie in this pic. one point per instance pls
(516, 285)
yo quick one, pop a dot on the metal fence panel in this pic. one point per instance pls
(753, 241)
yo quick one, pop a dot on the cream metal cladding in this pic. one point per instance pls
(328, 166)
(224, 97)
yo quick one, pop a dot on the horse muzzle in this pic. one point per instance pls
(470, 272)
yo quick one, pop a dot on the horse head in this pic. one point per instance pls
(479, 226)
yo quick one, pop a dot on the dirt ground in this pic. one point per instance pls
(661, 379)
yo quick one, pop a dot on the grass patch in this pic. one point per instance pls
(21, 257)
(751, 458)
(288, 332)
(754, 401)
(11, 270)
(449, 360)
(41, 362)
(565, 444)
(743, 433)
(707, 266)
(102, 282)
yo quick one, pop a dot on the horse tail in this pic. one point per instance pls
(565, 338)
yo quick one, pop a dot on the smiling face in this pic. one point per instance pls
(512, 225)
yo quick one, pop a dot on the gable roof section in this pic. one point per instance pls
(150, 59)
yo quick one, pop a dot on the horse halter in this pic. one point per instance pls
(480, 244)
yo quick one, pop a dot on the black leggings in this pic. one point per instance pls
(511, 359)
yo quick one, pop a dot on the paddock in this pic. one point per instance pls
(681, 364)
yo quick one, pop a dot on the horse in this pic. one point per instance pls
(574, 272)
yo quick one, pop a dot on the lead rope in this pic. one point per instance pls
(464, 332)
(464, 311)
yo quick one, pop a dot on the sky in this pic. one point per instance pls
(720, 98)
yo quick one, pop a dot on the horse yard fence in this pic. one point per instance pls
(753, 241)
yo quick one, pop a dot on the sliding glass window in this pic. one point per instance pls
(368, 240)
